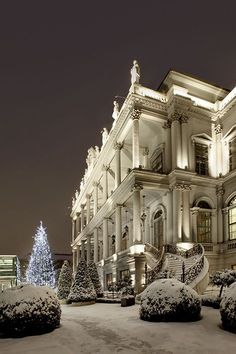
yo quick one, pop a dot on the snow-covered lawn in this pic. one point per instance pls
(109, 328)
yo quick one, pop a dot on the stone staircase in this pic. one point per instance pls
(189, 266)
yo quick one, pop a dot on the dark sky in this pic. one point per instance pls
(61, 64)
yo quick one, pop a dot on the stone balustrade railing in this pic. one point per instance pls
(152, 274)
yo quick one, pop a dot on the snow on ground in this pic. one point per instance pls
(110, 328)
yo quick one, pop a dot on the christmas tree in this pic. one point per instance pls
(95, 278)
(82, 289)
(40, 270)
(64, 281)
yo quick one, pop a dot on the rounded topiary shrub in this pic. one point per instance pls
(28, 309)
(169, 300)
(228, 308)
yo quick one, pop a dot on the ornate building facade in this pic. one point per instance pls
(164, 175)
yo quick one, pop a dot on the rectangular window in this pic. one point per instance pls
(124, 273)
(204, 227)
(201, 159)
(232, 154)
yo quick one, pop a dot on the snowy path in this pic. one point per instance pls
(109, 328)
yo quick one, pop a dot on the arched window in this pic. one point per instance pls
(232, 218)
(158, 229)
(204, 222)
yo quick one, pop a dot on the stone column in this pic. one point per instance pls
(77, 254)
(105, 182)
(74, 259)
(219, 193)
(95, 197)
(95, 236)
(118, 228)
(184, 136)
(226, 224)
(82, 249)
(77, 230)
(218, 132)
(117, 147)
(167, 127)
(105, 238)
(169, 236)
(82, 217)
(194, 213)
(145, 158)
(176, 140)
(73, 230)
(136, 214)
(135, 115)
(88, 248)
(88, 209)
(186, 237)
(177, 213)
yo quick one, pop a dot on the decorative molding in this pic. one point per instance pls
(183, 187)
(105, 167)
(167, 124)
(146, 151)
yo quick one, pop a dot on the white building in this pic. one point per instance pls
(165, 174)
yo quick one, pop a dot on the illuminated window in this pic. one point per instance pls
(232, 219)
(204, 222)
(201, 159)
(232, 154)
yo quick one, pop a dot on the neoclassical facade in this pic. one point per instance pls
(164, 175)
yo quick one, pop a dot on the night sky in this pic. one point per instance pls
(61, 65)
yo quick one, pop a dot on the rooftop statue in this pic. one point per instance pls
(135, 73)
(97, 152)
(104, 136)
(115, 110)
(91, 157)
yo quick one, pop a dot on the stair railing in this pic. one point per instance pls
(152, 274)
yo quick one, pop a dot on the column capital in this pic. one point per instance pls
(184, 118)
(88, 196)
(105, 167)
(167, 124)
(95, 184)
(117, 145)
(136, 187)
(82, 206)
(135, 114)
(145, 151)
(218, 128)
(220, 191)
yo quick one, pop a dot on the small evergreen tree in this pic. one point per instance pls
(40, 270)
(64, 281)
(95, 278)
(82, 289)
(223, 279)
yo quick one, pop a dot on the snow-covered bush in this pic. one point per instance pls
(92, 269)
(228, 308)
(64, 281)
(210, 301)
(29, 309)
(82, 289)
(169, 300)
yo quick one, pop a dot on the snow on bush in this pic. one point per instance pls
(92, 269)
(210, 301)
(228, 308)
(82, 289)
(29, 309)
(64, 281)
(169, 300)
